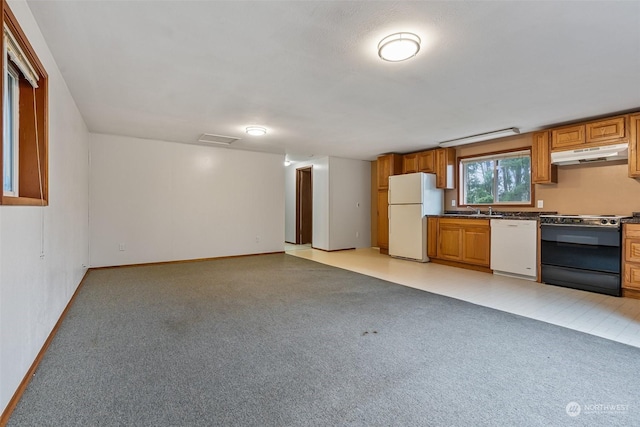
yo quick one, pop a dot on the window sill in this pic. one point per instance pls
(23, 201)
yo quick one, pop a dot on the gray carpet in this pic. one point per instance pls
(281, 341)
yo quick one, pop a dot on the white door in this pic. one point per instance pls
(407, 232)
(406, 189)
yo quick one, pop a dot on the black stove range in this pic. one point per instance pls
(582, 220)
(582, 252)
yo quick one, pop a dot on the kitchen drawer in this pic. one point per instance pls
(632, 230)
(632, 250)
(631, 276)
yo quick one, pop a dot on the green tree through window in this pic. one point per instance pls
(498, 179)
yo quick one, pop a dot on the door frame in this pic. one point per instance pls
(299, 173)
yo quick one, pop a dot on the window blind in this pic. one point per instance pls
(17, 56)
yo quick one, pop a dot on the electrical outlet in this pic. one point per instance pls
(122, 247)
(540, 204)
(257, 239)
(357, 234)
(453, 203)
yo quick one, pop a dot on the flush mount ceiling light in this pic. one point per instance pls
(399, 47)
(256, 130)
(480, 137)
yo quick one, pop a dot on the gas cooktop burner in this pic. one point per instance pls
(584, 220)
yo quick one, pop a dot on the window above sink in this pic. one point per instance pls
(501, 178)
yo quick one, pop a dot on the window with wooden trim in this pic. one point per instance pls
(496, 179)
(25, 113)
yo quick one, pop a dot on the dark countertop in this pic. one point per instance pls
(635, 219)
(468, 214)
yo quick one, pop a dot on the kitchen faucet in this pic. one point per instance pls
(490, 210)
(475, 209)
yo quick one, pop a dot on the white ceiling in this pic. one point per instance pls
(309, 71)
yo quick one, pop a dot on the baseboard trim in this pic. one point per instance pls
(6, 414)
(333, 250)
(630, 293)
(183, 261)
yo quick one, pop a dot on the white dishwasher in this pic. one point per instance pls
(514, 248)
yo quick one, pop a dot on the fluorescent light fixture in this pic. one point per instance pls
(480, 137)
(256, 130)
(399, 47)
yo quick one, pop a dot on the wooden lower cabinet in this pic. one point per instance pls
(449, 241)
(465, 242)
(631, 261)
(432, 237)
(383, 221)
(476, 244)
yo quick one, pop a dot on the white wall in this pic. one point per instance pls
(319, 199)
(33, 290)
(350, 203)
(167, 201)
(338, 186)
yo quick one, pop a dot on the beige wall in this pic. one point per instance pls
(598, 188)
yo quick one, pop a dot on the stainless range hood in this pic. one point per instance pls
(593, 154)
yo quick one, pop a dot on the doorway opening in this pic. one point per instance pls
(304, 205)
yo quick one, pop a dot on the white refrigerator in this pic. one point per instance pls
(411, 197)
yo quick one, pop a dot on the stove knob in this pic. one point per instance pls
(613, 222)
(603, 221)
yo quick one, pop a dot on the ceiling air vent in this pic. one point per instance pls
(210, 138)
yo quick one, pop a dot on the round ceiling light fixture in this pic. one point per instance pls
(256, 130)
(399, 47)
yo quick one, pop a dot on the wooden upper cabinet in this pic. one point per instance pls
(567, 136)
(542, 171)
(419, 162)
(634, 146)
(426, 161)
(613, 130)
(607, 131)
(388, 165)
(410, 163)
(445, 168)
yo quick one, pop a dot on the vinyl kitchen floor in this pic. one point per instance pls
(609, 317)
